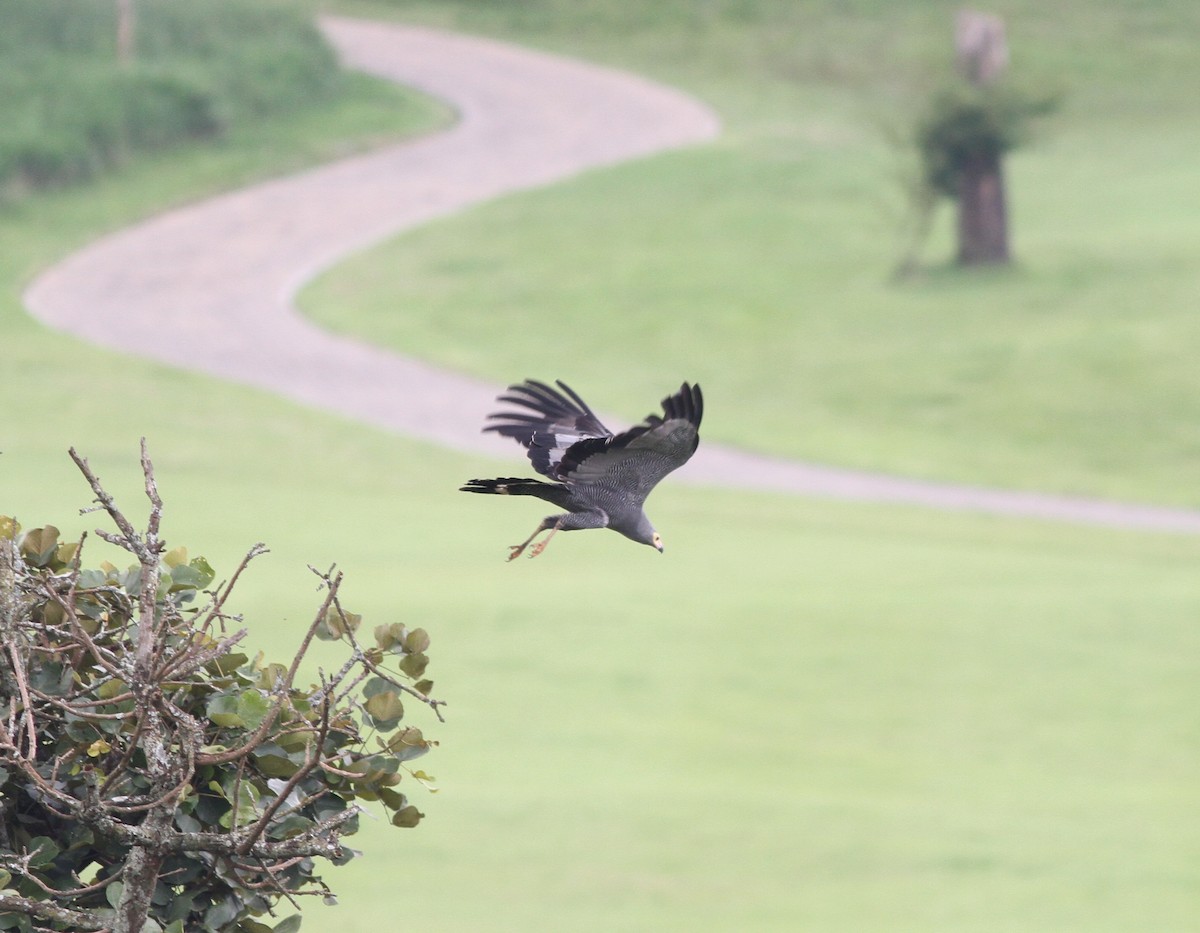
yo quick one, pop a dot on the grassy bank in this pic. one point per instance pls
(70, 110)
(802, 715)
(762, 265)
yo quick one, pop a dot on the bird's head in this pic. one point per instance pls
(640, 531)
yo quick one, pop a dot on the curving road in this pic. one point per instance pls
(210, 287)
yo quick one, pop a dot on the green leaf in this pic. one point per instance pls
(91, 579)
(417, 641)
(408, 744)
(385, 709)
(98, 748)
(252, 708)
(111, 688)
(132, 580)
(9, 527)
(407, 818)
(386, 636)
(204, 569)
(52, 614)
(222, 709)
(113, 892)
(229, 663)
(290, 925)
(291, 825)
(194, 575)
(294, 741)
(51, 678)
(65, 553)
(270, 675)
(276, 765)
(176, 557)
(246, 809)
(43, 850)
(414, 664)
(187, 822)
(38, 545)
(5, 876)
(336, 624)
(363, 771)
(179, 907)
(375, 686)
(221, 914)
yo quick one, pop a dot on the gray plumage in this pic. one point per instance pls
(601, 479)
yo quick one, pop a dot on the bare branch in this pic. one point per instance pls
(44, 910)
(193, 658)
(156, 505)
(280, 691)
(130, 541)
(218, 603)
(361, 657)
(312, 758)
(63, 892)
(18, 668)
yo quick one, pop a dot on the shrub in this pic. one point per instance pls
(68, 110)
(149, 768)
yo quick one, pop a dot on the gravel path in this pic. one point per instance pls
(210, 287)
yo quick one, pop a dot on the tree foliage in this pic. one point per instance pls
(963, 129)
(967, 123)
(154, 775)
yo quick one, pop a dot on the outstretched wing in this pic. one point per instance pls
(552, 423)
(634, 461)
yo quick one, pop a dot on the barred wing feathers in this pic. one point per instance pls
(637, 459)
(554, 421)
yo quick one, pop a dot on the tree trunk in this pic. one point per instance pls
(140, 878)
(982, 216)
(982, 53)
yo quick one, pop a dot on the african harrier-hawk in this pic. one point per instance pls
(600, 478)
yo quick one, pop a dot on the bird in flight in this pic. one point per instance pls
(600, 478)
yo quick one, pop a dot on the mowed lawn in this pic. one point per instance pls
(805, 714)
(762, 265)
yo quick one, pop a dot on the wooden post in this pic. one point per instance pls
(982, 55)
(125, 32)
(980, 47)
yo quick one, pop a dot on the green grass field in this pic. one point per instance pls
(762, 265)
(805, 715)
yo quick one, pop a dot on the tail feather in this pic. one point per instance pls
(516, 486)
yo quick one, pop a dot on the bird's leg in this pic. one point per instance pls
(541, 545)
(547, 522)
